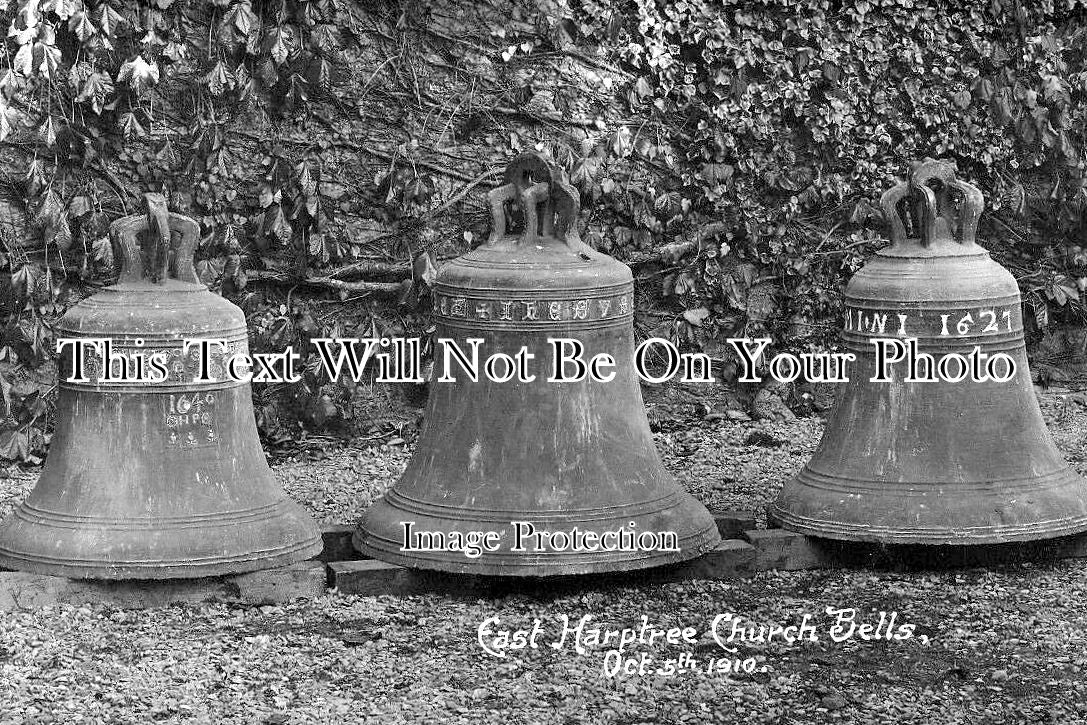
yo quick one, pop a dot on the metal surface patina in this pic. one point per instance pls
(568, 458)
(154, 480)
(943, 462)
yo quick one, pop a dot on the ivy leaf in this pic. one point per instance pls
(696, 316)
(1056, 90)
(79, 206)
(962, 99)
(245, 20)
(305, 179)
(984, 89)
(151, 38)
(685, 282)
(30, 13)
(5, 126)
(320, 72)
(1062, 293)
(103, 251)
(1002, 109)
(109, 20)
(1027, 130)
(801, 59)
(296, 90)
(1041, 316)
(50, 59)
(238, 23)
(267, 73)
(5, 395)
(246, 85)
(130, 127)
(35, 178)
(94, 91)
(50, 211)
(219, 79)
(78, 74)
(23, 62)
(716, 173)
(82, 26)
(8, 84)
(60, 233)
(276, 224)
(423, 268)
(316, 246)
(139, 74)
(672, 253)
(63, 8)
(52, 221)
(167, 155)
(210, 270)
(277, 42)
(1068, 150)
(621, 142)
(175, 51)
(47, 132)
(24, 36)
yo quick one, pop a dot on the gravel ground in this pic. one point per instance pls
(1005, 645)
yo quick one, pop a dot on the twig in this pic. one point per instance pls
(602, 65)
(118, 187)
(367, 268)
(458, 41)
(380, 288)
(551, 117)
(639, 260)
(1007, 226)
(366, 86)
(385, 156)
(462, 193)
(826, 236)
(847, 247)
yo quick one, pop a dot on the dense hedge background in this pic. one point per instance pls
(336, 152)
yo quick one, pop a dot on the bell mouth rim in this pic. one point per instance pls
(541, 566)
(935, 537)
(161, 570)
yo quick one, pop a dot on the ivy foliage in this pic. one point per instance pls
(771, 128)
(731, 152)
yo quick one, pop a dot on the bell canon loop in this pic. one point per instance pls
(532, 477)
(910, 456)
(153, 480)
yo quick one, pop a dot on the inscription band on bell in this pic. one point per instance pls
(183, 367)
(524, 308)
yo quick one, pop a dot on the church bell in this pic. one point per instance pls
(940, 441)
(546, 478)
(154, 476)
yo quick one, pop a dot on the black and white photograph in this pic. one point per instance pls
(618, 362)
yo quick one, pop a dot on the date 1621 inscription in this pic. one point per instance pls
(897, 338)
(961, 323)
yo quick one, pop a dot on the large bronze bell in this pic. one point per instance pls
(572, 460)
(154, 480)
(935, 462)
